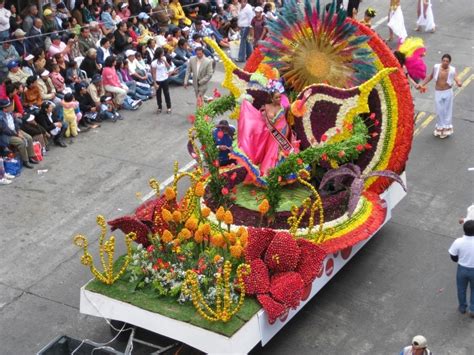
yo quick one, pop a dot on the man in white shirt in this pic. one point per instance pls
(244, 21)
(462, 252)
(4, 21)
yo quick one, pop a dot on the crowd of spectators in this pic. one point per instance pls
(65, 68)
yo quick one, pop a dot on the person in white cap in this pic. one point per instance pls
(259, 26)
(19, 43)
(419, 346)
(123, 11)
(47, 90)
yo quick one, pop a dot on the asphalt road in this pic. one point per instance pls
(401, 284)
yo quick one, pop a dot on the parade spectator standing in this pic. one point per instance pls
(462, 252)
(259, 26)
(11, 134)
(159, 72)
(419, 346)
(201, 70)
(445, 76)
(49, 22)
(244, 21)
(4, 21)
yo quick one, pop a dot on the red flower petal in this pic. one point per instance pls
(283, 253)
(258, 241)
(287, 288)
(273, 308)
(311, 260)
(258, 281)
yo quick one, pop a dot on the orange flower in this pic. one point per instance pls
(166, 237)
(199, 189)
(191, 223)
(170, 194)
(166, 214)
(205, 212)
(228, 218)
(231, 237)
(236, 251)
(185, 233)
(198, 237)
(177, 216)
(220, 213)
(217, 259)
(205, 228)
(264, 206)
(218, 240)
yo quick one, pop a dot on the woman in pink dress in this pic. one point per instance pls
(264, 135)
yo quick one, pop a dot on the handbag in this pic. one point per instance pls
(13, 166)
(38, 151)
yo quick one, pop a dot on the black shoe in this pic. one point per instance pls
(34, 161)
(27, 165)
(60, 143)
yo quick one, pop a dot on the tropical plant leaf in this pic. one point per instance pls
(357, 187)
(388, 174)
(332, 174)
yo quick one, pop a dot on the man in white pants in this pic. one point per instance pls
(445, 76)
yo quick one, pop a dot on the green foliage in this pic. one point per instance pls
(204, 127)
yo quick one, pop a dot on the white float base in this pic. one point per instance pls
(256, 330)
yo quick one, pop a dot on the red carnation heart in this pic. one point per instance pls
(287, 288)
(324, 138)
(324, 156)
(258, 281)
(283, 253)
(274, 309)
(258, 241)
(359, 147)
(341, 154)
(225, 191)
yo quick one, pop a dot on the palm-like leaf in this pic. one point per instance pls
(357, 185)
(335, 173)
(388, 174)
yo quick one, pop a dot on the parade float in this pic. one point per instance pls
(265, 223)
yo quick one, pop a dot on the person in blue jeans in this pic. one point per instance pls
(223, 136)
(244, 21)
(462, 252)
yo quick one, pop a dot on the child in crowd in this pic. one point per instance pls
(107, 110)
(69, 110)
(57, 80)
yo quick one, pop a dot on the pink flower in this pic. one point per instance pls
(324, 138)
(341, 154)
(225, 191)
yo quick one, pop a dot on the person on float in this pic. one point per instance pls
(223, 136)
(264, 134)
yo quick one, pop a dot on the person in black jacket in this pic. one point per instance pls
(89, 64)
(86, 104)
(51, 124)
(39, 134)
(122, 39)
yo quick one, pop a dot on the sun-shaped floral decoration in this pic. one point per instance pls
(308, 46)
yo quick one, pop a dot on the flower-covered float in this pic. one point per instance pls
(279, 199)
